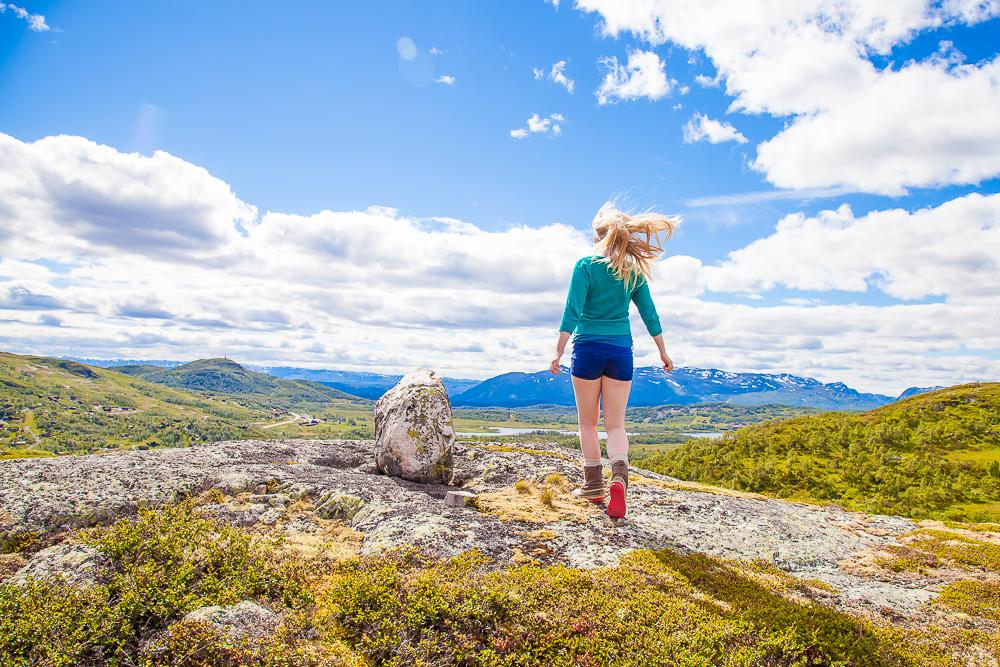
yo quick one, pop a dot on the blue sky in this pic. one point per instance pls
(308, 107)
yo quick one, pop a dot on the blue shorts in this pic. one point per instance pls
(593, 359)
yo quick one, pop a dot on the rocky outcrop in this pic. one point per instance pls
(413, 429)
(287, 485)
(245, 620)
(75, 564)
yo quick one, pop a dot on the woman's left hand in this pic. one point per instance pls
(554, 366)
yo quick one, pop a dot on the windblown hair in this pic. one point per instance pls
(630, 244)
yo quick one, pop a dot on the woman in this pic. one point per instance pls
(597, 309)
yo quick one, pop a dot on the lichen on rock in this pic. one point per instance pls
(414, 436)
(75, 564)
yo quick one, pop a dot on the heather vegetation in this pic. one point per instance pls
(53, 406)
(654, 607)
(933, 455)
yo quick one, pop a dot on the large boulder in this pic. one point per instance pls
(413, 429)
(76, 564)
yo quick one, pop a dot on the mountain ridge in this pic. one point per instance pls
(652, 386)
(222, 375)
(682, 386)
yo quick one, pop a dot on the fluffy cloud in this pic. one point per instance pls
(84, 199)
(811, 60)
(702, 128)
(550, 125)
(35, 22)
(446, 79)
(926, 124)
(951, 250)
(89, 269)
(644, 75)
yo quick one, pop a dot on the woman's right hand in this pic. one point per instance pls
(668, 365)
(554, 366)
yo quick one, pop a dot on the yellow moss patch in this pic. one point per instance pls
(535, 506)
(10, 563)
(520, 558)
(556, 479)
(964, 551)
(975, 527)
(975, 598)
(334, 540)
(521, 450)
(540, 534)
(902, 558)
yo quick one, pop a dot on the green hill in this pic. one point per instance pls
(932, 455)
(222, 376)
(53, 406)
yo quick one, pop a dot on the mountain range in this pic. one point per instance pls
(682, 386)
(651, 385)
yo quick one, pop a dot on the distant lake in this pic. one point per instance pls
(504, 430)
(704, 434)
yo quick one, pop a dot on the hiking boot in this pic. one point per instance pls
(617, 489)
(593, 484)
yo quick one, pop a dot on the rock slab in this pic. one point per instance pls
(76, 564)
(414, 436)
(245, 620)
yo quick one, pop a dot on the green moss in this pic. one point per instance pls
(932, 455)
(975, 527)
(166, 563)
(653, 608)
(976, 598)
(402, 608)
(17, 542)
(962, 550)
(900, 558)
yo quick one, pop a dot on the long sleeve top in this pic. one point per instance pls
(598, 303)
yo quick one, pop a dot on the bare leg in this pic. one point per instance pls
(588, 393)
(614, 397)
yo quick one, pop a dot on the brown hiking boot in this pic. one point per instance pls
(617, 489)
(593, 484)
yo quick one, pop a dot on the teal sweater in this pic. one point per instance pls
(598, 302)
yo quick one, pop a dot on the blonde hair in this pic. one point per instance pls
(630, 243)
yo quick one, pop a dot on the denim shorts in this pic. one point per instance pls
(592, 359)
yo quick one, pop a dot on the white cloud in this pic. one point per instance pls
(550, 125)
(951, 250)
(926, 124)
(36, 22)
(702, 128)
(707, 81)
(811, 61)
(446, 79)
(558, 75)
(86, 199)
(435, 51)
(644, 75)
(90, 267)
